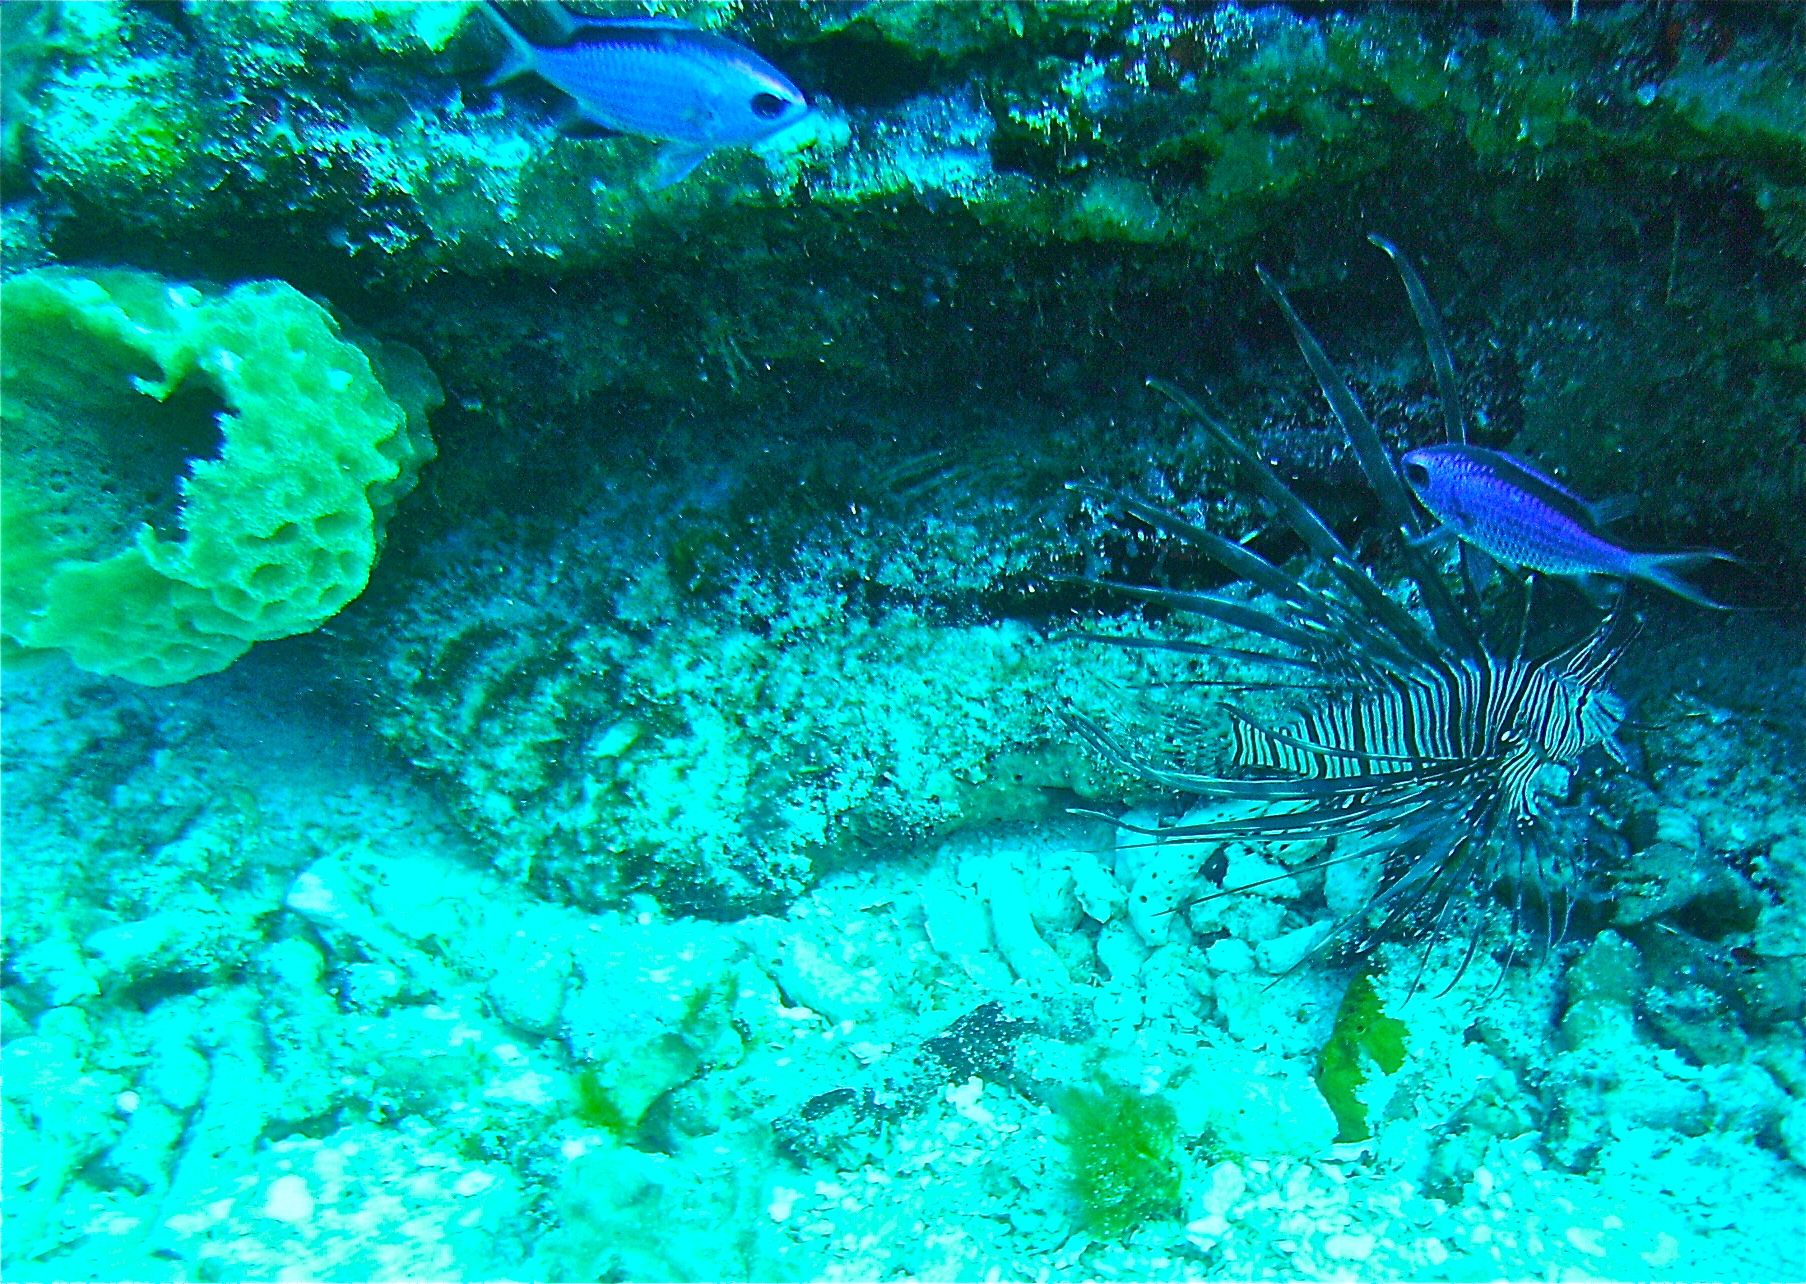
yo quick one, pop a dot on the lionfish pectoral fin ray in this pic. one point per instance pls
(1307, 825)
(1370, 451)
(1185, 646)
(1311, 866)
(1234, 558)
(1467, 958)
(1224, 610)
(1295, 512)
(1244, 564)
(1406, 634)
(1382, 474)
(1287, 788)
(1403, 900)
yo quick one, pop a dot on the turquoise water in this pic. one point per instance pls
(545, 719)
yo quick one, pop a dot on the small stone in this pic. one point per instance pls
(1282, 954)
(1223, 1187)
(128, 948)
(1098, 894)
(1120, 951)
(1586, 1239)
(288, 1200)
(1349, 1248)
(1230, 955)
(530, 994)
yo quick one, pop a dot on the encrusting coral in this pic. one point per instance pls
(190, 472)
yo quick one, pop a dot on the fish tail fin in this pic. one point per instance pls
(520, 58)
(1666, 569)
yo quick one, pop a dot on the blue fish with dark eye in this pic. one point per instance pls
(1507, 509)
(659, 78)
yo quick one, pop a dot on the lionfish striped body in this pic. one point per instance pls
(1424, 735)
(1499, 725)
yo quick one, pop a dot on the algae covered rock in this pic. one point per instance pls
(715, 684)
(714, 767)
(189, 472)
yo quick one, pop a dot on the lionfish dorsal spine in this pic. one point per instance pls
(1449, 621)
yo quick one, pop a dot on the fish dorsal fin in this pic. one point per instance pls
(519, 59)
(1613, 508)
(575, 25)
(1529, 478)
(1531, 470)
(567, 28)
(558, 19)
(615, 24)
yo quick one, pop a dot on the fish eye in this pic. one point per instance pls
(1417, 474)
(768, 106)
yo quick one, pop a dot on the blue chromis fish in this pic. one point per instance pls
(1507, 509)
(658, 78)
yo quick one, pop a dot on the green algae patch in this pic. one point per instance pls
(1363, 1033)
(1124, 1149)
(594, 1104)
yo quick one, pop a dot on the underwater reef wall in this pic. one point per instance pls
(738, 683)
(627, 833)
(1049, 200)
(1103, 121)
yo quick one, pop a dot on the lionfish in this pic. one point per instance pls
(1421, 732)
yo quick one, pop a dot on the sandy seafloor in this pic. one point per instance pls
(329, 1043)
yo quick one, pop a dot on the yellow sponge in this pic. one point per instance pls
(188, 472)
